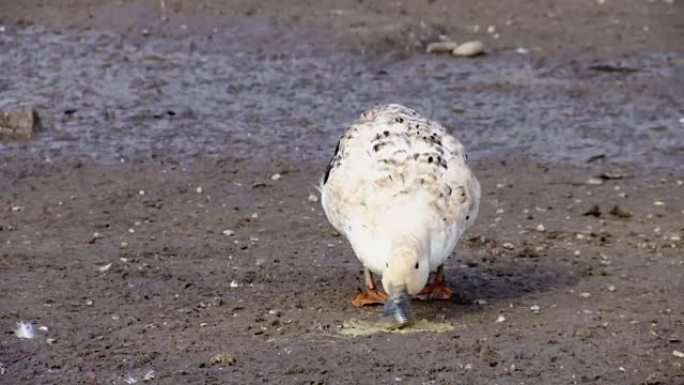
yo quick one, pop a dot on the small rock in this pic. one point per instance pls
(594, 211)
(275, 176)
(313, 198)
(89, 302)
(228, 233)
(585, 295)
(19, 123)
(659, 203)
(541, 228)
(522, 50)
(677, 354)
(223, 358)
(199, 189)
(500, 319)
(617, 211)
(441, 47)
(508, 246)
(535, 308)
(149, 375)
(104, 267)
(469, 49)
(595, 181)
(611, 288)
(480, 302)
(234, 284)
(50, 341)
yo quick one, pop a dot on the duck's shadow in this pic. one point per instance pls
(505, 279)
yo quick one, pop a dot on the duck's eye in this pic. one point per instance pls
(416, 266)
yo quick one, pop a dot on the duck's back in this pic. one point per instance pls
(393, 165)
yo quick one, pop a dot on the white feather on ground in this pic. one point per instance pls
(24, 330)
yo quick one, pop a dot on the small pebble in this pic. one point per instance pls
(469, 49)
(149, 376)
(141, 192)
(508, 246)
(595, 181)
(535, 308)
(313, 198)
(585, 295)
(223, 358)
(611, 288)
(677, 354)
(199, 189)
(234, 284)
(522, 51)
(541, 228)
(104, 267)
(500, 319)
(255, 215)
(228, 233)
(50, 341)
(275, 176)
(659, 203)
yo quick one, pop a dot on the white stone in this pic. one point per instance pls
(469, 49)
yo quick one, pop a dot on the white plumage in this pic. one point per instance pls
(398, 188)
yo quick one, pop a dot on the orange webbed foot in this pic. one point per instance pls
(369, 297)
(436, 291)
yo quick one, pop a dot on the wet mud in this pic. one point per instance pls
(144, 237)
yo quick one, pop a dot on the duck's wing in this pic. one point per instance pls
(392, 160)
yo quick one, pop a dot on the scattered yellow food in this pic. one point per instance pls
(356, 328)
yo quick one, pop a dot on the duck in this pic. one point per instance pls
(398, 187)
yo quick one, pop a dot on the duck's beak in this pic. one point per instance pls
(397, 306)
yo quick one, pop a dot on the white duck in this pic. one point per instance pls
(398, 188)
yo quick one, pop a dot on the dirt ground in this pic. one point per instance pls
(154, 265)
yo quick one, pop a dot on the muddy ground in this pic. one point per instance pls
(144, 230)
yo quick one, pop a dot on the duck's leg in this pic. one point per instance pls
(372, 295)
(437, 289)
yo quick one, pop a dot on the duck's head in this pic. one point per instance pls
(406, 273)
